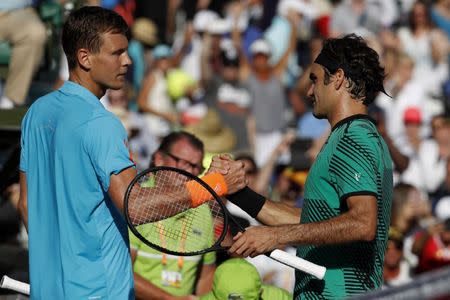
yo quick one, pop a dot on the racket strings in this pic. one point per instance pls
(159, 206)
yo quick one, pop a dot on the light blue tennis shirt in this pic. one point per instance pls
(78, 241)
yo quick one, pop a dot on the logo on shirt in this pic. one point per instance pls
(357, 176)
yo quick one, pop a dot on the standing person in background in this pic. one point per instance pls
(266, 90)
(153, 98)
(75, 168)
(166, 277)
(21, 27)
(345, 218)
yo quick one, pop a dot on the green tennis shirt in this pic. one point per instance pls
(174, 274)
(354, 161)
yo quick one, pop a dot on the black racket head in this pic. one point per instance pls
(151, 200)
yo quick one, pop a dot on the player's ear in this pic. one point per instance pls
(339, 78)
(84, 58)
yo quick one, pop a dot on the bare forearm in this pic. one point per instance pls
(343, 229)
(204, 284)
(148, 291)
(275, 214)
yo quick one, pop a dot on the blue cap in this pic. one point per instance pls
(162, 51)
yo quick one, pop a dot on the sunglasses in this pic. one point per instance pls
(199, 167)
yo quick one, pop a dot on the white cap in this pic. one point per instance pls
(442, 209)
(203, 19)
(260, 46)
(300, 6)
(219, 26)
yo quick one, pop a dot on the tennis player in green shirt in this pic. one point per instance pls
(343, 224)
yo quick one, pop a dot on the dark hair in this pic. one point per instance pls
(169, 140)
(84, 29)
(360, 63)
(412, 22)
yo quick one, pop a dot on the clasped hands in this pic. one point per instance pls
(255, 240)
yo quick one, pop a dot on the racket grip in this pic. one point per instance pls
(15, 285)
(200, 195)
(298, 263)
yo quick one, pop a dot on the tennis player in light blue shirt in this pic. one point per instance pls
(75, 167)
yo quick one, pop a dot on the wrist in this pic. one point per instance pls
(248, 200)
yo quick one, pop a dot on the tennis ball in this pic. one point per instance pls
(178, 82)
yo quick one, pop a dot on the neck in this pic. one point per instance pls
(347, 107)
(80, 77)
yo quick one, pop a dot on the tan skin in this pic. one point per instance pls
(359, 223)
(144, 289)
(97, 71)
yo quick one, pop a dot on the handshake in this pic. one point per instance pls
(233, 173)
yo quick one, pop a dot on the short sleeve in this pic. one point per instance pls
(107, 145)
(353, 165)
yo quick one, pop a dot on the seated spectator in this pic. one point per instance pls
(432, 245)
(21, 27)
(239, 279)
(396, 270)
(409, 210)
(161, 276)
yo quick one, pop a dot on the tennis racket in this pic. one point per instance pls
(158, 211)
(15, 285)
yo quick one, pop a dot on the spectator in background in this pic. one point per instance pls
(440, 14)
(144, 36)
(21, 27)
(353, 15)
(278, 34)
(166, 277)
(409, 209)
(229, 96)
(432, 246)
(153, 100)
(140, 140)
(238, 279)
(396, 270)
(263, 80)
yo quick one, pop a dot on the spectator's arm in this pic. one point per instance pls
(206, 70)
(251, 132)
(266, 172)
(400, 160)
(244, 68)
(188, 33)
(280, 67)
(205, 281)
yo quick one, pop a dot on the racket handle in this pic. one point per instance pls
(15, 285)
(298, 263)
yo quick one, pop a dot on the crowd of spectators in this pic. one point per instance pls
(235, 74)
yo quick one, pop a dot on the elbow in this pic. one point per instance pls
(369, 231)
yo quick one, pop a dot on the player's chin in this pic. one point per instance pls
(118, 83)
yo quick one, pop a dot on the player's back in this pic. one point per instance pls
(77, 238)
